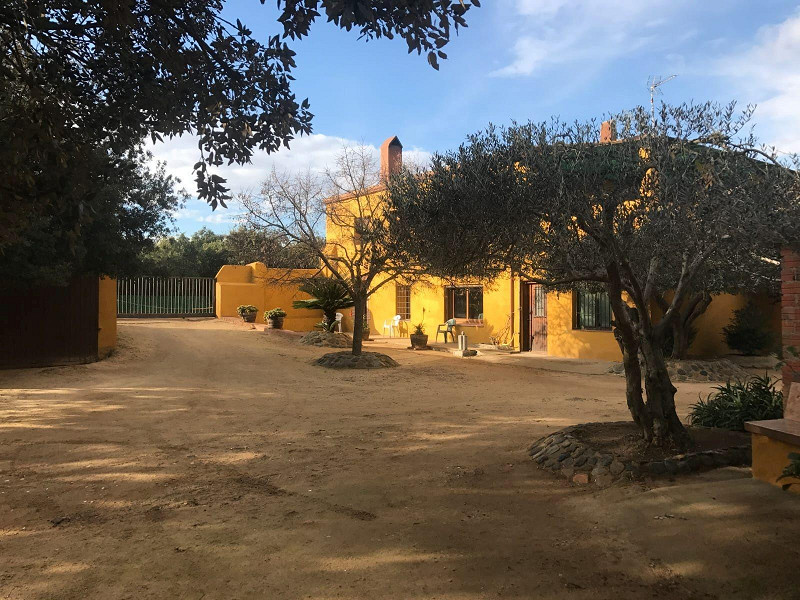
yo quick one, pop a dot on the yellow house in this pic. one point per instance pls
(515, 312)
(508, 311)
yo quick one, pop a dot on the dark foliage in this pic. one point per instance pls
(78, 76)
(791, 470)
(733, 404)
(200, 255)
(749, 332)
(204, 252)
(328, 294)
(247, 244)
(104, 234)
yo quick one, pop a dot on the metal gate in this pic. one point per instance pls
(165, 297)
(50, 325)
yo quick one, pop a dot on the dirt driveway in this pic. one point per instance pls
(206, 461)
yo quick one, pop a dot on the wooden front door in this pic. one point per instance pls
(537, 317)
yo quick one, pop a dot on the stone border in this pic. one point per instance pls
(696, 370)
(564, 454)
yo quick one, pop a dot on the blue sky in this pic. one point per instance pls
(521, 60)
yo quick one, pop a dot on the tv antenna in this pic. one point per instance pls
(653, 83)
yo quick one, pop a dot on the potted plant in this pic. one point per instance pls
(274, 318)
(419, 339)
(248, 312)
(365, 330)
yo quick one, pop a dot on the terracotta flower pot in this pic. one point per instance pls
(419, 341)
(275, 323)
(249, 317)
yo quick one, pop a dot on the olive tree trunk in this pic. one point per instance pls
(656, 416)
(682, 323)
(664, 427)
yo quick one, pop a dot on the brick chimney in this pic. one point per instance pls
(391, 157)
(608, 133)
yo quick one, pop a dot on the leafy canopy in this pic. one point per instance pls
(681, 196)
(671, 197)
(78, 75)
(130, 206)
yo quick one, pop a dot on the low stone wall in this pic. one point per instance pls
(697, 370)
(564, 454)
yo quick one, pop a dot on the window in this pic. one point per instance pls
(403, 301)
(592, 310)
(465, 303)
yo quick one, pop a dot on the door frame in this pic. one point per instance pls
(526, 307)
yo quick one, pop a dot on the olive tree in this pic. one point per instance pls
(679, 195)
(340, 218)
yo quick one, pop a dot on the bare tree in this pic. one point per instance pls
(338, 216)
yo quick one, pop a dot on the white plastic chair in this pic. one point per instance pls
(396, 324)
(339, 317)
(393, 326)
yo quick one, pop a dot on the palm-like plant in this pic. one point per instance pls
(328, 295)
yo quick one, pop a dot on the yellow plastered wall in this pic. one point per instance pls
(427, 307)
(106, 316)
(709, 342)
(563, 340)
(427, 296)
(265, 289)
(770, 457)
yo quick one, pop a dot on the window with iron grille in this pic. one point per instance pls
(403, 301)
(592, 310)
(465, 303)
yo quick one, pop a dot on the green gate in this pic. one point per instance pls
(165, 297)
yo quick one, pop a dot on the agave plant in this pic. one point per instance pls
(328, 295)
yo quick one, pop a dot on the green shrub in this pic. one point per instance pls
(732, 404)
(748, 331)
(791, 470)
(243, 309)
(274, 313)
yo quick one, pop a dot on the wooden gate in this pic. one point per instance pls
(49, 325)
(165, 297)
(534, 317)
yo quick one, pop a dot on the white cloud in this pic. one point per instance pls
(768, 73)
(315, 152)
(556, 32)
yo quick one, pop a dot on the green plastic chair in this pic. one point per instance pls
(448, 328)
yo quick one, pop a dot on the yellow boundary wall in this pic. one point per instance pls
(106, 316)
(265, 289)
